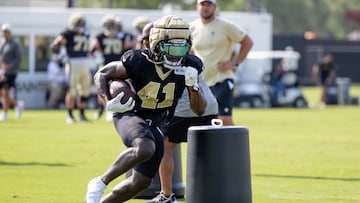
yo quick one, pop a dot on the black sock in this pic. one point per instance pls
(70, 113)
(82, 112)
(100, 110)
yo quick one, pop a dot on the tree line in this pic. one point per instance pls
(290, 17)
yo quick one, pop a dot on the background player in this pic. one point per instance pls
(75, 39)
(108, 46)
(324, 72)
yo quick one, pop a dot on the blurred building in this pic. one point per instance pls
(345, 52)
(35, 3)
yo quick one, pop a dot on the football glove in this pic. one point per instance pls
(116, 106)
(191, 76)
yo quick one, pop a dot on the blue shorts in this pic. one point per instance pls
(130, 126)
(223, 92)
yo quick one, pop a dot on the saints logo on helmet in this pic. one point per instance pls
(170, 40)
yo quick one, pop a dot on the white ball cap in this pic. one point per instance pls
(6, 27)
(211, 1)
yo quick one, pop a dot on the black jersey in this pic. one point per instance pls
(112, 47)
(325, 70)
(77, 43)
(158, 89)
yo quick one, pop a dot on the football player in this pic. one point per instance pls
(108, 46)
(175, 129)
(75, 39)
(159, 76)
(139, 24)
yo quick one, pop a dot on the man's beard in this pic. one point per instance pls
(208, 16)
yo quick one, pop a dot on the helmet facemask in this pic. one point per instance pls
(77, 22)
(109, 25)
(173, 52)
(110, 29)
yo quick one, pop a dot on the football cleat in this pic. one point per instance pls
(95, 190)
(19, 109)
(161, 198)
(109, 116)
(70, 120)
(83, 119)
(3, 116)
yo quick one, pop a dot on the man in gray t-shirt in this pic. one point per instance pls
(10, 58)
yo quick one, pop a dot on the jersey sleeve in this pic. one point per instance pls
(65, 33)
(195, 62)
(131, 60)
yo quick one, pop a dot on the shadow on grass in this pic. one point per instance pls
(307, 177)
(5, 163)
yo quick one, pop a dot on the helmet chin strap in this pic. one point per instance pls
(171, 65)
(80, 29)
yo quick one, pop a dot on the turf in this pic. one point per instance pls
(297, 155)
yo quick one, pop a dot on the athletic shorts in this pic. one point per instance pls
(177, 128)
(223, 92)
(79, 78)
(130, 126)
(9, 81)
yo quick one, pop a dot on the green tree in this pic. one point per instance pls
(324, 17)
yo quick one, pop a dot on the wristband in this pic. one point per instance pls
(195, 87)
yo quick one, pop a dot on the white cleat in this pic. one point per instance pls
(19, 109)
(70, 120)
(109, 116)
(3, 116)
(95, 190)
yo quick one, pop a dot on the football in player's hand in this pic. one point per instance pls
(118, 86)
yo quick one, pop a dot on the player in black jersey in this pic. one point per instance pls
(108, 46)
(159, 77)
(75, 39)
(128, 37)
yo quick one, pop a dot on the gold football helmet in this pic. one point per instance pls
(109, 25)
(170, 40)
(77, 22)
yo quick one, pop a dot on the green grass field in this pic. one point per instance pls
(297, 155)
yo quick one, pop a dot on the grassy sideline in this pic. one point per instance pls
(297, 155)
